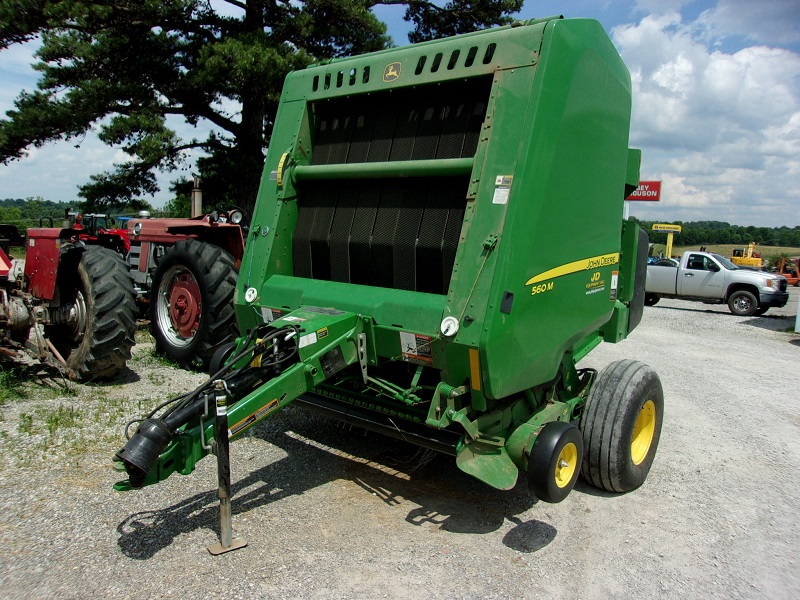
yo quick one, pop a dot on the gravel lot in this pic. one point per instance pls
(331, 512)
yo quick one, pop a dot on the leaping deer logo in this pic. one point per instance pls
(392, 72)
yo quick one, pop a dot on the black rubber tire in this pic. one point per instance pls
(761, 310)
(743, 303)
(544, 470)
(213, 271)
(97, 341)
(651, 299)
(221, 354)
(618, 396)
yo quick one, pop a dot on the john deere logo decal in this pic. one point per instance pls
(392, 72)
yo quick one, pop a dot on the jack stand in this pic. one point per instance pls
(222, 444)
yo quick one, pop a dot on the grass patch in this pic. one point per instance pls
(142, 336)
(11, 386)
(163, 359)
(62, 417)
(25, 423)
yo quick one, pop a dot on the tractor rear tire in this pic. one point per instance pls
(191, 302)
(621, 426)
(743, 303)
(651, 299)
(555, 461)
(96, 340)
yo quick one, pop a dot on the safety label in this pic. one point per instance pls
(270, 314)
(308, 339)
(250, 420)
(502, 189)
(614, 284)
(324, 311)
(416, 348)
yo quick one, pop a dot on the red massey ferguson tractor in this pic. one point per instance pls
(185, 271)
(70, 302)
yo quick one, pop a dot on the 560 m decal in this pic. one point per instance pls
(585, 264)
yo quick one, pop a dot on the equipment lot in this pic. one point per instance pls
(333, 512)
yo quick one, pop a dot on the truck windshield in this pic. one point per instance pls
(725, 262)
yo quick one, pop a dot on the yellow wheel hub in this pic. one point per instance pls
(566, 464)
(643, 432)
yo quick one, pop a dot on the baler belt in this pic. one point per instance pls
(372, 232)
(422, 123)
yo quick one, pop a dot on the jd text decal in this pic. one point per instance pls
(543, 281)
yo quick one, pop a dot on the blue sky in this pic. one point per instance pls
(716, 108)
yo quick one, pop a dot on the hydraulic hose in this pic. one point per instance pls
(155, 434)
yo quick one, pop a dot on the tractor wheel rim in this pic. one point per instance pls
(566, 463)
(77, 320)
(179, 306)
(643, 432)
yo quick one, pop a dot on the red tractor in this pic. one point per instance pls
(70, 302)
(185, 270)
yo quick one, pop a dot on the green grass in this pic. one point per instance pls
(61, 417)
(11, 385)
(25, 423)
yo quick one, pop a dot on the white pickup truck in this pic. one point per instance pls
(713, 279)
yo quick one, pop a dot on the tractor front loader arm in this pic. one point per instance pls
(295, 354)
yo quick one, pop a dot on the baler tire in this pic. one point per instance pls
(743, 303)
(651, 299)
(621, 426)
(222, 354)
(96, 342)
(550, 479)
(208, 278)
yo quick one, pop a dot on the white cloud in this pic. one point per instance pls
(722, 130)
(766, 22)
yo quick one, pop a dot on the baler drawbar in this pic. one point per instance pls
(437, 242)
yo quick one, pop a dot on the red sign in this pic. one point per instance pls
(649, 191)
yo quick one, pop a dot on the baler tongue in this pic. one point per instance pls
(304, 348)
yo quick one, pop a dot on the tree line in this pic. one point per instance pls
(131, 70)
(27, 212)
(31, 212)
(695, 233)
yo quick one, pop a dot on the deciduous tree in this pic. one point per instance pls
(133, 69)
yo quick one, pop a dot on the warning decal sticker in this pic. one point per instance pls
(416, 348)
(259, 414)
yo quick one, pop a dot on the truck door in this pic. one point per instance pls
(701, 277)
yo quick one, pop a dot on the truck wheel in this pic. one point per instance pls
(96, 337)
(761, 310)
(191, 304)
(743, 303)
(651, 299)
(621, 425)
(555, 461)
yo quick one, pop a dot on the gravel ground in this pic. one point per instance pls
(331, 512)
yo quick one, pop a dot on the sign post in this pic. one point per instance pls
(671, 230)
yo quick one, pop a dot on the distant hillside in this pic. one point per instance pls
(26, 213)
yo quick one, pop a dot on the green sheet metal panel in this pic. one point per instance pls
(564, 207)
(545, 191)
